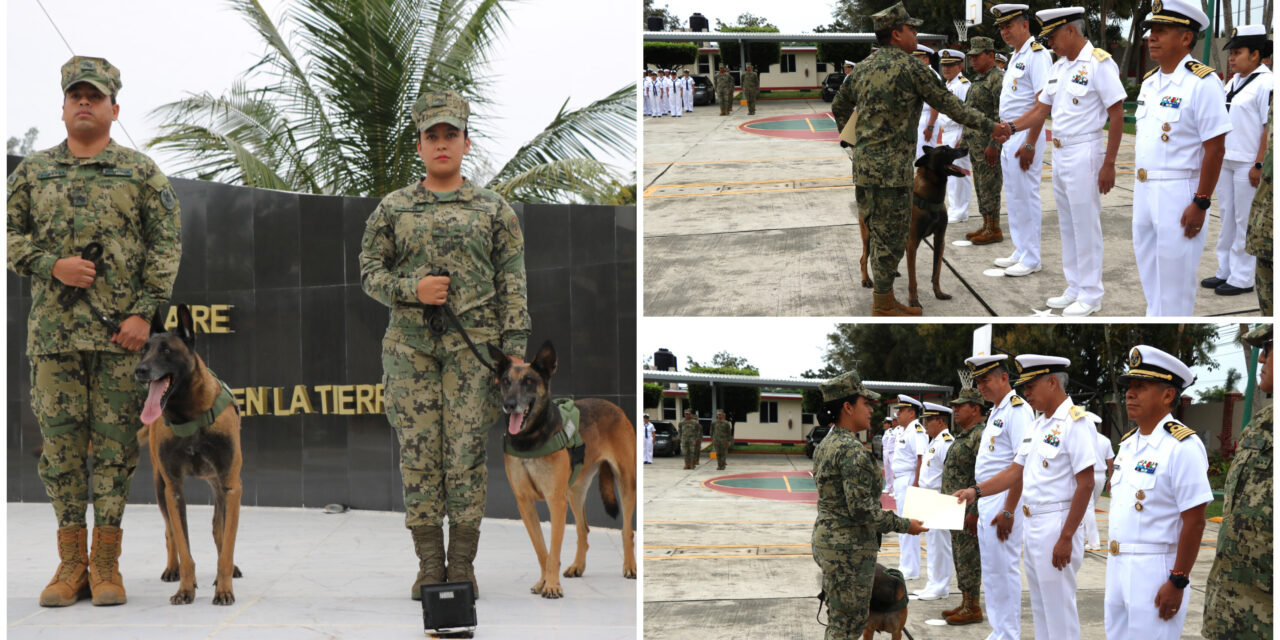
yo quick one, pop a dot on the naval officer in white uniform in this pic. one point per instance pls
(937, 422)
(959, 189)
(928, 115)
(908, 456)
(887, 441)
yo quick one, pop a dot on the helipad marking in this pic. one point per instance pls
(819, 127)
(787, 486)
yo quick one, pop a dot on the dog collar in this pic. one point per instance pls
(188, 429)
(568, 437)
(902, 603)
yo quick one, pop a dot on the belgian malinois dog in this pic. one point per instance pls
(180, 390)
(886, 591)
(928, 216)
(610, 451)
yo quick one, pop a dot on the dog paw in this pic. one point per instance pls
(942, 296)
(866, 284)
(169, 575)
(537, 587)
(183, 596)
(552, 591)
(629, 572)
(235, 572)
(574, 571)
(224, 598)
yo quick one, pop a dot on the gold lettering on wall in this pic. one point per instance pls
(213, 318)
(334, 399)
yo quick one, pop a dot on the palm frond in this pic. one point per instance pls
(584, 180)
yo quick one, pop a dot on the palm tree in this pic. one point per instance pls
(333, 116)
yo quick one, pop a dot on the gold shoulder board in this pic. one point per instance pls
(1100, 55)
(1036, 46)
(946, 437)
(919, 429)
(1017, 401)
(1178, 430)
(963, 79)
(1077, 412)
(1201, 70)
(1126, 436)
(1151, 72)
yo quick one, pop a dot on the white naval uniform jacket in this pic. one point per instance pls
(1156, 478)
(1176, 114)
(1248, 113)
(1006, 427)
(959, 87)
(1079, 91)
(912, 442)
(1024, 77)
(934, 457)
(1055, 449)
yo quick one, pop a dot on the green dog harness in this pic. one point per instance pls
(900, 604)
(568, 437)
(188, 429)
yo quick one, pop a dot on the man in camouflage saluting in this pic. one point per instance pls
(690, 439)
(751, 88)
(721, 439)
(724, 90)
(87, 190)
(885, 86)
(984, 151)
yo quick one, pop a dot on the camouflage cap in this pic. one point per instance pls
(96, 71)
(980, 44)
(1258, 336)
(892, 18)
(435, 107)
(968, 395)
(845, 385)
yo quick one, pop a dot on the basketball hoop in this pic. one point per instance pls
(962, 29)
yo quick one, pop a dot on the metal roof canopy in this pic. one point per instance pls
(704, 36)
(724, 379)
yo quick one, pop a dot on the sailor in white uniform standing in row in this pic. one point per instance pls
(937, 423)
(908, 455)
(959, 189)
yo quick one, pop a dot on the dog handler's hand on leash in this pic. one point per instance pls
(433, 289)
(74, 271)
(133, 333)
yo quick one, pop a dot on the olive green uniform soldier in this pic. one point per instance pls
(984, 95)
(751, 88)
(958, 474)
(724, 90)
(690, 440)
(721, 439)
(89, 189)
(440, 398)
(1257, 240)
(850, 521)
(889, 87)
(1238, 593)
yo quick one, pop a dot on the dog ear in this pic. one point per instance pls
(157, 321)
(500, 360)
(186, 327)
(923, 159)
(545, 361)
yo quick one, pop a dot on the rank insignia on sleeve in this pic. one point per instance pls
(1016, 401)
(1178, 430)
(1201, 70)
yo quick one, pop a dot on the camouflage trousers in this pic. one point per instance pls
(726, 102)
(87, 400)
(887, 213)
(847, 577)
(751, 97)
(690, 447)
(721, 444)
(987, 181)
(441, 406)
(967, 561)
(1263, 283)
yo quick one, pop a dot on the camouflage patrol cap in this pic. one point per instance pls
(1258, 336)
(980, 44)
(845, 385)
(968, 395)
(892, 18)
(96, 71)
(435, 107)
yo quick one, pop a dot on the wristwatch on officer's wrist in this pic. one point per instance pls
(1012, 129)
(1007, 514)
(1029, 147)
(1201, 201)
(977, 491)
(1178, 581)
(1258, 166)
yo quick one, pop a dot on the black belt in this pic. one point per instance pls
(71, 295)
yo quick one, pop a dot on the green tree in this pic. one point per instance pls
(669, 55)
(1216, 394)
(737, 402)
(670, 21)
(22, 146)
(332, 114)
(747, 20)
(837, 52)
(653, 394)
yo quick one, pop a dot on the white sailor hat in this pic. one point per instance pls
(1250, 35)
(905, 401)
(981, 365)
(1150, 363)
(849, 63)
(1002, 57)
(1179, 13)
(1006, 12)
(888, 418)
(646, 415)
(932, 410)
(1032, 366)
(1051, 19)
(951, 56)
(923, 49)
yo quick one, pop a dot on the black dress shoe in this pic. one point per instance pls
(1225, 289)
(1212, 283)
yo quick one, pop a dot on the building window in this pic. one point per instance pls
(806, 418)
(669, 408)
(822, 67)
(704, 64)
(768, 412)
(788, 63)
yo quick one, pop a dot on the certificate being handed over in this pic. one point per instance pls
(935, 510)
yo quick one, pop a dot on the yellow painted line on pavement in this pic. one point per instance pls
(809, 121)
(750, 557)
(788, 482)
(809, 522)
(747, 161)
(719, 546)
(746, 191)
(721, 184)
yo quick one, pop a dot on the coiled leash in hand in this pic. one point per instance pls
(434, 316)
(71, 295)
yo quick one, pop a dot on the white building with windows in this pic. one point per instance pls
(797, 70)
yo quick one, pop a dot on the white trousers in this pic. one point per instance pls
(1075, 190)
(1053, 592)
(959, 190)
(1092, 535)
(1001, 576)
(688, 100)
(648, 449)
(1129, 606)
(1235, 199)
(1022, 197)
(908, 545)
(1167, 259)
(648, 105)
(677, 104)
(938, 543)
(921, 141)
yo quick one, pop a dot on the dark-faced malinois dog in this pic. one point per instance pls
(887, 592)
(928, 216)
(610, 450)
(193, 431)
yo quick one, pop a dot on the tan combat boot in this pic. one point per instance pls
(105, 580)
(428, 543)
(884, 304)
(463, 541)
(986, 226)
(992, 235)
(71, 582)
(960, 607)
(969, 612)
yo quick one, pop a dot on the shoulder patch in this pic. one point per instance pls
(168, 199)
(1178, 430)
(1017, 401)
(1036, 46)
(963, 79)
(1077, 412)
(13, 179)
(51, 173)
(1100, 55)
(1151, 72)
(1201, 70)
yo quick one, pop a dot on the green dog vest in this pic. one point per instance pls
(188, 429)
(568, 437)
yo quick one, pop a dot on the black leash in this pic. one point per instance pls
(71, 295)
(434, 316)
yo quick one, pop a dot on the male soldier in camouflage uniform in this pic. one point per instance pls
(1237, 596)
(887, 85)
(850, 521)
(90, 189)
(957, 474)
(751, 88)
(984, 151)
(724, 90)
(441, 241)
(690, 440)
(721, 438)
(1257, 240)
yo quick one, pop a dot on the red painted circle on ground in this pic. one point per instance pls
(821, 126)
(787, 486)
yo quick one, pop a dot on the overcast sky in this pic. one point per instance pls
(167, 49)
(788, 17)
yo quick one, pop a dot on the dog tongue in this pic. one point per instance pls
(152, 409)
(514, 423)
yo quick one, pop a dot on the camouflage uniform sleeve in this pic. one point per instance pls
(509, 282)
(862, 494)
(162, 237)
(25, 258)
(937, 96)
(377, 258)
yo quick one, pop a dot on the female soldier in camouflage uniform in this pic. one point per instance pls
(444, 241)
(846, 534)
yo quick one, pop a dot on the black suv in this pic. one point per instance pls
(704, 91)
(831, 85)
(666, 439)
(815, 436)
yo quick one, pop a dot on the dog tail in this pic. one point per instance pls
(607, 490)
